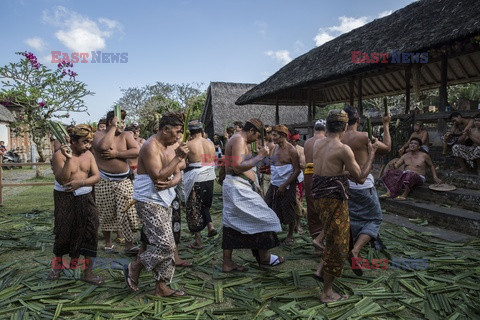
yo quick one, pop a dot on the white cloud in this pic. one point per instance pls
(46, 59)
(346, 24)
(322, 37)
(80, 33)
(36, 43)
(282, 56)
(385, 13)
(262, 28)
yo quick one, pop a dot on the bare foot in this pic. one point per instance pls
(195, 246)
(182, 263)
(233, 267)
(332, 297)
(92, 279)
(131, 276)
(54, 274)
(172, 293)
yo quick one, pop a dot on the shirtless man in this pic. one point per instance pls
(285, 168)
(420, 133)
(293, 138)
(135, 129)
(154, 193)
(329, 187)
(469, 154)
(413, 175)
(198, 178)
(363, 203)
(456, 134)
(248, 223)
(76, 216)
(112, 148)
(265, 164)
(313, 217)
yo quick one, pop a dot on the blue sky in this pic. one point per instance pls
(177, 41)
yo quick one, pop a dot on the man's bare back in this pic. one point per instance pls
(200, 149)
(358, 143)
(308, 148)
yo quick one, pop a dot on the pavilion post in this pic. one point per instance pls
(351, 85)
(443, 95)
(408, 77)
(360, 105)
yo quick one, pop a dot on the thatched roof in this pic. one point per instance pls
(322, 75)
(6, 115)
(220, 109)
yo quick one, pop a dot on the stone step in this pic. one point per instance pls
(456, 219)
(467, 199)
(437, 232)
(460, 180)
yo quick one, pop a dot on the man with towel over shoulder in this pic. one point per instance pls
(285, 168)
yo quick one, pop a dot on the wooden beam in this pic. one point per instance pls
(351, 86)
(408, 76)
(443, 95)
(430, 73)
(360, 105)
(469, 58)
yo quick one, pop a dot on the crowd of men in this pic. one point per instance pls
(141, 185)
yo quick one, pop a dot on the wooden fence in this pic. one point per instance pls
(24, 164)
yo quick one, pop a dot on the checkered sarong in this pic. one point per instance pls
(112, 197)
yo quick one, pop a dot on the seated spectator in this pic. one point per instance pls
(418, 132)
(456, 134)
(3, 149)
(399, 183)
(469, 154)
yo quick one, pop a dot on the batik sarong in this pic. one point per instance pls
(198, 206)
(330, 200)
(112, 198)
(76, 225)
(396, 180)
(284, 205)
(313, 217)
(470, 154)
(176, 219)
(157, 229)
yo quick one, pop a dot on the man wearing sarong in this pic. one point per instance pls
(198, 179)
(248, 223)
(418, 132)
(363, 203)
(76, 216)
(399, 183)
(293, 138)
(329, 192)
(285, 168)
(313, 218)
(154, 192)
(456, 134)
(469, 154)
(264, 169)
(112, 148)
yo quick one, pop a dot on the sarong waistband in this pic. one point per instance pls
(192, 166)
(333, 187)
(114, 176)
(243, 176)
(79, 192)
(308, 168)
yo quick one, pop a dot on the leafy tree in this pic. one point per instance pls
(147, 104)
(39, 94)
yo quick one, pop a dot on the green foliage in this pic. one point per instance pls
(146, 105)
(39, 94)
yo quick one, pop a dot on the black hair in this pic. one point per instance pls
(352, 114)
(454, 114)
(418, 140)
(195, 131)
(171, 119)
(319, 127)
(111, 114)
(249, 126)
(336, 126)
